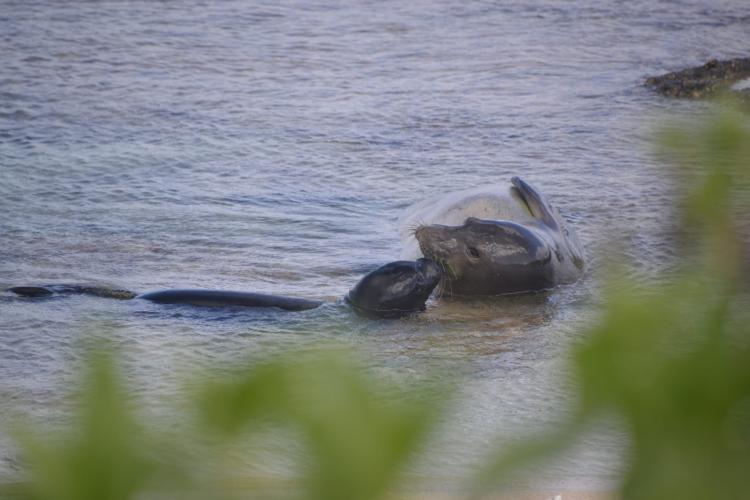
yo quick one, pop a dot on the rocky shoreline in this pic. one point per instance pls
(713, 78)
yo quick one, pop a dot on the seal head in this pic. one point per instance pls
(494, 257)
(395, 289)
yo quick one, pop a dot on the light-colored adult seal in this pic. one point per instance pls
(496, 241)
(390, 291)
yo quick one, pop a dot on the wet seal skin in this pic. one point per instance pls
(50, 290)
(396, 289)
(393, 290)
(708, 80)
(536, 251)
(226, 298)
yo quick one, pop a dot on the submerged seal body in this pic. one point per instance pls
(393, 290)
(224, 298)
(531, 249)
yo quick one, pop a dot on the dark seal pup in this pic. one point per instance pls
(393, 290)
(532, 249)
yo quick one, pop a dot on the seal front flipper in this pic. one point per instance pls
(537, 203)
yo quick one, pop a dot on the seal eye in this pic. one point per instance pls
(473, 252)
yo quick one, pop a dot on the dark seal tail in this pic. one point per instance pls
(98, 291)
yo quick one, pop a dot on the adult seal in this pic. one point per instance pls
(508, 240)
(394, 290)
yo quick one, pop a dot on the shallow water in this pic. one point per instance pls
(273, 147)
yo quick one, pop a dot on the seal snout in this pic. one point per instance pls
(421, 232)
(431, 241)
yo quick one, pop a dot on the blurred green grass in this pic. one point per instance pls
(672, 361)
(359, 434)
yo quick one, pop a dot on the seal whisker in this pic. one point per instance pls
(445, 281)
(441, 283)
(415, 227)
(450, 281)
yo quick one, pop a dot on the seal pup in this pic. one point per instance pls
(391, 291)
(395, 289)
(530, 247)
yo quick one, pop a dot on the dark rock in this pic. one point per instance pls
(703, 81)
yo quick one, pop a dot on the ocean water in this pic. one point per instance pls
(273, 147)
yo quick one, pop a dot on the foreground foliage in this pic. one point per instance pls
(672, 361)
(358, 434)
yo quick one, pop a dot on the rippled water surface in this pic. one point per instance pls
(273, 147)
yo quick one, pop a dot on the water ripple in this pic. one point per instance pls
(272, 146)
